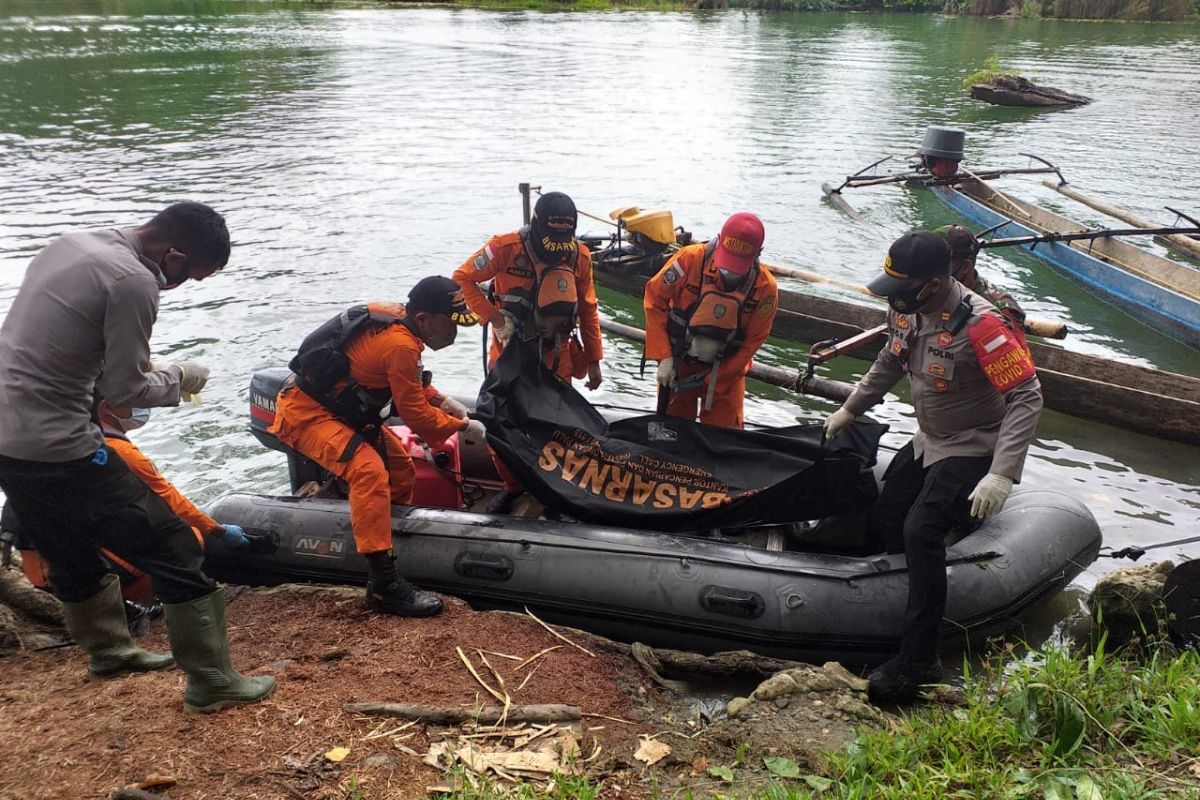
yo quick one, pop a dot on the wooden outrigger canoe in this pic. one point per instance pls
(1148, 401)
(1159, 293)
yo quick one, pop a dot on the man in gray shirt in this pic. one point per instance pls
(977, 399)
(77, 332)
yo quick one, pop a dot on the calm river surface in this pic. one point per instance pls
(356, 149)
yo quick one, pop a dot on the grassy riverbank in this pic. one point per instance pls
(1052, 726)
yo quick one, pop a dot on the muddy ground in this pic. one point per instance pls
(65, 735)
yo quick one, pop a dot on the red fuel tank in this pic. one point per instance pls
(438, 483)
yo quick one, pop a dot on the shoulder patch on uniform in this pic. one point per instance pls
(767, 306)
(484, 258)
(671, 275)
(1005, 362)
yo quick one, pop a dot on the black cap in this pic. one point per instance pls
(963, 244)
(552, 228)
(911, 260)
(438, 294)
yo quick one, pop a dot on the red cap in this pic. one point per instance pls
(740, 243)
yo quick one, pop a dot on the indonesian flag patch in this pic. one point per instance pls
(1003, 359)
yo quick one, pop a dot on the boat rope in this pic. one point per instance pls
(1008, 201)
(1133, 553)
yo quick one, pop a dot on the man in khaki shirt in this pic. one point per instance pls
(977, 399)
(77, 332)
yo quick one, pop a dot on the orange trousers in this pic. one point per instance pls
(726, 408)
(310, 429)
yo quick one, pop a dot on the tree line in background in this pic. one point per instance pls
(1153, 10)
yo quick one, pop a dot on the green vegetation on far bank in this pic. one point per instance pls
(1126, 10)
(1055, 726)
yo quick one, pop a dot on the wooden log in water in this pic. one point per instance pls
(1177, 242)
(783, 378)
(835, 197)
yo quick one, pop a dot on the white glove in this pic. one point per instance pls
(504, 328)
(837, 422)
(474, 432)
(453, 408)
(989, 495)
(192, 376)
(666, 373)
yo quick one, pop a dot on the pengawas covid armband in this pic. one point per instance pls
(1005, 362)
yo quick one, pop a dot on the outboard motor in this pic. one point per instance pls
(264, 387)
(651, 240)
(942, 150)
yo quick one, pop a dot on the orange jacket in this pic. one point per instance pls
(390, 358)
(504, 260)
(678, 286)
(147, 473)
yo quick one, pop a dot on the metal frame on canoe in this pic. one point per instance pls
(1148, 401)
(1157, 292)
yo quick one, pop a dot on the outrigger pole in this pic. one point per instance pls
(923, 178)
(1072, 237)
(802, 382)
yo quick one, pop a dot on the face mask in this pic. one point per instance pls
(730, 281)
(162, 267)
(705, 349)
(908, 300)
(436, 341)
(136, 419)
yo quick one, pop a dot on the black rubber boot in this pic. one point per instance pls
(390, 593)
(901, 677)
(98, 625)
(503, 502)
(201, 646)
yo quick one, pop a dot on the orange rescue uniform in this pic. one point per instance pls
(38, 571)
(678, 287)
(387, 357)
(505, 261)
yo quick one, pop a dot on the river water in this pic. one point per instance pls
(356, 149)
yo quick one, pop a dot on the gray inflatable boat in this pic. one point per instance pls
(757, 589)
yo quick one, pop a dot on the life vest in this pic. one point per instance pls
(322, 367)
(716, 314)
(710, 329)
(548, 310)
(552, 297)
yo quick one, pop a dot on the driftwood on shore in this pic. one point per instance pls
(489, 715)
(1013, 90)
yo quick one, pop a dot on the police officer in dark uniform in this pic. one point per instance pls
(977, 399)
